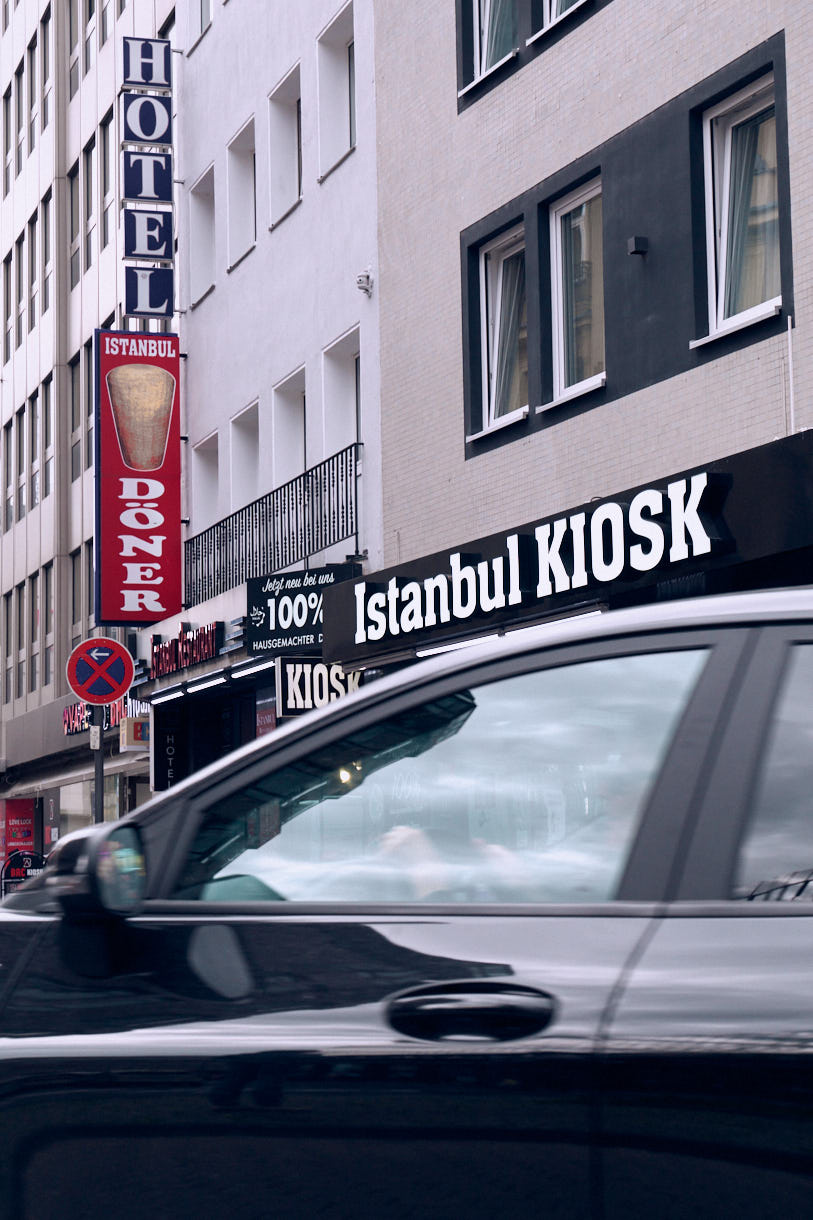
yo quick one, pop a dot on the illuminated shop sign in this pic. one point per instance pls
(77, 717)
(192, 646)
(305, 683)
(138, 478)
(149, 241)
(748, 507)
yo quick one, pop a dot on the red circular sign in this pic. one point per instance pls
(100, 670)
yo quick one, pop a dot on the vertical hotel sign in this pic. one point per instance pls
(149, 241)
(138, 478)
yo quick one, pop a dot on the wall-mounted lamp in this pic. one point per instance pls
(637, 245)
(364, 282)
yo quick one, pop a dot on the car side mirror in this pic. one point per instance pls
(96, 871)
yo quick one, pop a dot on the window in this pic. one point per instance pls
(106, 28)
(242, 208)
(8, 475)
(289, 423)
(8, 313)
(19, 273)
(206, 480)
(776, 857)
(46, 252)
(8, 642)
(73, 46)
(742, 207)
(48, 623)
(33, 278)
(528, 789)
(21, 467)
(504, 328)
(47, 438)
(20, 597)
(90, 32)
(19, 112)
(89, 222)
(33, 94)
(89, 580)
(577, 291)
(74, 223)
(45, 68)
(285, 145)
(33, 450)
(89, 400)
(245, 456)
(106, 173)
(200, 17)
(7, 141)
(337, 104)
(74, 393)
(340, 387)
(76, 596)
(202, 235)
(34, 630)
(495, 32)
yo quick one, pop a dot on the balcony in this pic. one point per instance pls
(287, 525)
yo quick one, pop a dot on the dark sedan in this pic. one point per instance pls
(521, 930)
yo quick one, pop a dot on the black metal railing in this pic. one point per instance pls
(313, 511)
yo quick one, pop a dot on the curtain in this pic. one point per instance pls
(511, 374)
(499, 35)
(752, 246)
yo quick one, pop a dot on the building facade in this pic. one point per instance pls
(594, 230)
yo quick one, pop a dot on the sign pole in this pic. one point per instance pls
(97, 745)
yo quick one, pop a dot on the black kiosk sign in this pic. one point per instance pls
(753, 508)
(20, 867)
(284, 612)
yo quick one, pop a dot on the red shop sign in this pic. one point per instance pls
(138, 478)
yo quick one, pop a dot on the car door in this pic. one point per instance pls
(707, 1062)
(374, 976)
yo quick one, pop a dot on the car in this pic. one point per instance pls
(523, 929)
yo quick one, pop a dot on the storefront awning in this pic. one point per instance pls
(136, 764)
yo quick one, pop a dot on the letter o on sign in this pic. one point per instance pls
(147, 118)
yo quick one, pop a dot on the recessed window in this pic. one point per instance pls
(106, 176)
(577, 290)
(33, 275)
(285, 145)
(337, 104)
(206, 481)
(504, 327)
(74, 222)
(742, 206)
(242, 194)
(245, 456)
(45, 68)
(202, 235)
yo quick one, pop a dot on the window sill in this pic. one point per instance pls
(199, 301)
(198, 39)
(552, 25)
(478, 80)
(758, 314)
(240, 258)
(515, 417)
(575, 391)
(323, 177)
(275, 224)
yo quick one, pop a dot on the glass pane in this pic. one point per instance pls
(524, 790)
(776, 858)
(752, 250)
(497, 31)
(583, 292)
(509, 355)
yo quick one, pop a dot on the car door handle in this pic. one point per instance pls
(471, 1009)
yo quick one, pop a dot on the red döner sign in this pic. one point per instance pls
(138, 478)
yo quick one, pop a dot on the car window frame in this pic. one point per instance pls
(723, 815)
(649, 870)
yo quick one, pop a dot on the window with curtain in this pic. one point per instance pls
(504, 317)
(742, 206)
(495, 32)
(577, 281)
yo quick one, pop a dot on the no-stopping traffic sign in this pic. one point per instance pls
(100, 670)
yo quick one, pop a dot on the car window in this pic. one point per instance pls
(527, 789)
(776, 855)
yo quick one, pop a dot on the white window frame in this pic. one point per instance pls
(492, 257)
(561, 391)
(718, 126)
(551, 18)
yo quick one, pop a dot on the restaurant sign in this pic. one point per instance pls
(191, 646)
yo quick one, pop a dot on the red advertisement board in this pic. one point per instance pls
(19, 823)
(138, 478)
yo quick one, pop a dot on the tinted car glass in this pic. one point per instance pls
(776, 857)
(526, 790)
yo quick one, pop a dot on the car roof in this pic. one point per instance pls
(722, 610)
